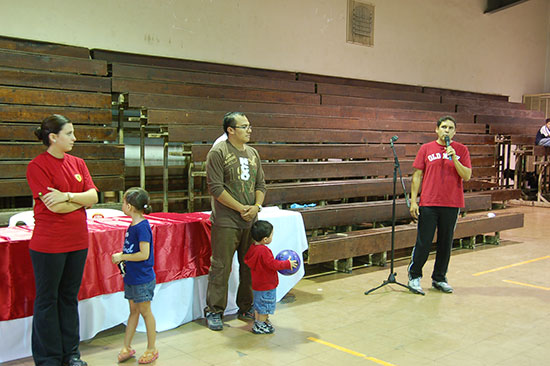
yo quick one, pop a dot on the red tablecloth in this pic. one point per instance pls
(181, 245)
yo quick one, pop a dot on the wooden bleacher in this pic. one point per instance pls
(324, 140)
(321, 141)
(38, 79)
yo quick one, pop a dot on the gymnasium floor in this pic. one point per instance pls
(499, 314)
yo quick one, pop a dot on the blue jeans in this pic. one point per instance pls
(264, 301)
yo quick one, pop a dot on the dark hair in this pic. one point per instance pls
(139, 198)
(51, 124)
(445, 118)
(261, 229)
(229, 119)
(547, 120)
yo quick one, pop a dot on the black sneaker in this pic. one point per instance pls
(214, 321)
(262, 328)
(75, 361)
(246, 315)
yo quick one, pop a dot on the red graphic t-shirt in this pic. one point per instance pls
(441, 184)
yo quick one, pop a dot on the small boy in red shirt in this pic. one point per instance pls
(264, 267)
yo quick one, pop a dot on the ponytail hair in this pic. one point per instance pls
(139, 199)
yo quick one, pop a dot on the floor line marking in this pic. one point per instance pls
(351, 352)
(528, 285)
(510, 266)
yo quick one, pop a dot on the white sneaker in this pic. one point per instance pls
(414, 286)
(442, 286)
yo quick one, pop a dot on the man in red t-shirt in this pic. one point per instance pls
(440, 167)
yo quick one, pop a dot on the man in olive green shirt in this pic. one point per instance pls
(236, 182)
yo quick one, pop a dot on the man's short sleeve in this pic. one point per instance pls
(420, 162)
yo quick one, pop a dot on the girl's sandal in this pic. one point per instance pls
(148, 357)
(125, 356)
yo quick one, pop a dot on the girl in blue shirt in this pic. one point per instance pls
(139, 278)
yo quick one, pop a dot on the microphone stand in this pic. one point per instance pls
(391, 278)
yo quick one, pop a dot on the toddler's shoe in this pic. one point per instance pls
(262, 328)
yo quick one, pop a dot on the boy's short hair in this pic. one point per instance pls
(261, 229)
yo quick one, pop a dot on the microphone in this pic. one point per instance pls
(448, 142)
(394, 138)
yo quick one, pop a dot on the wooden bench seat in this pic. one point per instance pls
(347, 214)
(463, 94)
(314, 191)
(309, 151)
(487, 149)
(196, 77)
(125, 85)
(514, 129)
(290, 135)
(324, 79)
(36, 61)
(25, 132)
(280, 171)
(362, 242)
(183, 64)
(49, 97)
(16, 113)
(491, 119)
(28, 45)
(305, 192)
(477, 102)
(105, 162)
(166, 117)
(502, 112)
(144, 101)
(38, 79)
(386, 103)
(53, 80)
(20, 187)
(375, 93)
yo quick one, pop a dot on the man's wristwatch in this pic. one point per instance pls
(70, 197)
(259, 207)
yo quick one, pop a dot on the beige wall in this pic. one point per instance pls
(441, 43)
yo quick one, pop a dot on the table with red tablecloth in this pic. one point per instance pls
(182, 258)
(181, 245)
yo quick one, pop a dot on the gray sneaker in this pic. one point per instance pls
(262, 328)
(414, 284)
(214, 321)
(442, 286)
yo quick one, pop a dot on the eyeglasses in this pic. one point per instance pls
(244, 127)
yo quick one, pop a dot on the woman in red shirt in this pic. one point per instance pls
(61, 187)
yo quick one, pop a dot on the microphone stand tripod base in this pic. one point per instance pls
(391, 279)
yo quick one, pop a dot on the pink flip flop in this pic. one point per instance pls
(125, 356)
(148, 357)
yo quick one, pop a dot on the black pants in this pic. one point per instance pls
(55, 325)
(430, 218)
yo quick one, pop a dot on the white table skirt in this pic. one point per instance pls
(175, 303)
